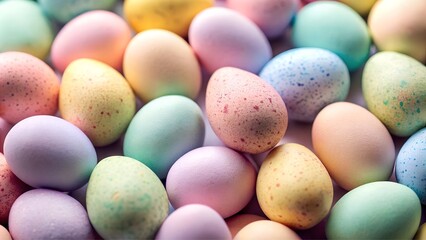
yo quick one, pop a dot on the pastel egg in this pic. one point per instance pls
(125, 199)
(88, 36)
(214, 176)
(25, 28)
(162, 131)
(238, 221)
(194, 221)
(97, 99)
(28, 87)
(361, 7)
(293, 187)
(378, 210)
(410, 165)
(266, 229)
(49, 152)
(158, 62)
(421, 232)
(335, 27)
(4, 233)
(48, 214)
(4, 129)
(353, 144)
(225, 38)
(245, 112)
(307, 79)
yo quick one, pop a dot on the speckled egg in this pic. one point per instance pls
(4, 129)
(192, 222)
(238, 221)
(245, 112)
(378, 210)
(125, 199)
(393, 85)
(28, 87)
(106, 36)
(97, 99)
(293, 187)
(4, 233)
(307, 79)
(336, 27)
(222, 37)
(353, 144)
(11, 188)
(49, 152)
(214, 176)
(159, 62)
(266, 229)
(24, 28)
(50, 215)
(410, 165)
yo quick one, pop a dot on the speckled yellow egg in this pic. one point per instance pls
(172, 15)
(97, 99)
(293, 187)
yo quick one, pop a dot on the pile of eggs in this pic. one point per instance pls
(195, 119)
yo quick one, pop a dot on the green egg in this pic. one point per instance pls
(378, 210)
(125, 199)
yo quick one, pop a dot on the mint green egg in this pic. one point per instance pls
(24, 28)
(164, 130)
(335, 27)
(377, 210)
(125, 199)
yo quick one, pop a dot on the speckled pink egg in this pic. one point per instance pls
(99, 35)
(245, 112)
(10, 189)
(214, 176)
(222, 37)
(28, 87)
(4, 129)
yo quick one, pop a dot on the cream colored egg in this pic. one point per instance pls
(266, 229)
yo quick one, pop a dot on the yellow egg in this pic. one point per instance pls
(362, 7)
(172, 15)
(293, 187)
(97, 99)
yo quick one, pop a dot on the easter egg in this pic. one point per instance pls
(393, 88)
(172, 15)
(293, 187)
(50, 215)
(194, 221)
(266, 229)
(335, 27)
(24, 28)
(406, 34)
(4, 233)
(421, 232)
(162, 131)
(125, 199)
(97, 99)
(158, 62)
(378, 210)
(101, 30)
(4, 129)
(307, 79)
(225, 38)
(49, 152)
(245, 112)
(65, 10)
(361, 7)
(410, 165)
(353, 145)
(214, 176)
(238, 221)
(28, 87)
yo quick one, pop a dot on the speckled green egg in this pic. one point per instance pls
(393, 85)
(125, 199)
(97, 99)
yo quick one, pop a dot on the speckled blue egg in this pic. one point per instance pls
(308, 79)
(410, 166)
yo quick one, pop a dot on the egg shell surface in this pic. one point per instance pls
(215, 176)
(307, 79)
(159, 62)
(4, 129)
(361, 7)
(97, 99)
(222, 37)
(238, 221)
(4, 233)
(28, 87)
(266, 229)
(49, 152)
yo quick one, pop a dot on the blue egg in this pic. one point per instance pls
(307, 79)
(410, 166)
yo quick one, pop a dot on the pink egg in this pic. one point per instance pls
(4, 129)
(28, 87)
(4, 234)
(214, 176)
(238, 221)
(99, 35)
(222, 37)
